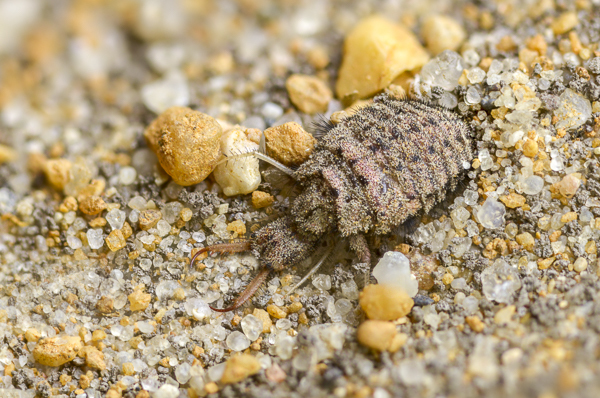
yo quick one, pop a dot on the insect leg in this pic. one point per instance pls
(233, 247)
(248, 292)
(313, 269)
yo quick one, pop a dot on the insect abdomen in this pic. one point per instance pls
(388, 161)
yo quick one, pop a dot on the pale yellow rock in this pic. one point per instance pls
(128, 369)
(475, 324)
(569, 185)
(115, 240)
(92, 205)
(580, 264)
(261, 199)
(276, 311)
(237, 175)
(94, 358)
(397, 342)
(526, 240)
(57, 172)
(186, 142)
(138, 300)
(237, 227)
(377, 335)
(289, 143)
(56, 351)
(308, 93)
(377, 51)
(7, 154)
(504, 315)
(565, 22)
(32, 335)
(239, 367)
(442, 33)
(149, 218)
(265, 318)
(385, 302)
(513, 200)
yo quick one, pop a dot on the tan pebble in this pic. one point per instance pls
(135, 342)
(126, 230)
(94, 188)
(7, 154)
(241, 175)
(442, 33)
(565, 22)
(112, 393)
(98, 222)
(261, 199)
(186, 214)
(211, 388)
(237, 227)
(377, 51)
(308, 93)
(526, 240)
(295, 307)
(69, 204)
(530, 148)
(32, 335)
(105, 305)
(56, 351)
(94, 358)
(545, 262)
(568, 217)
(127, 369)
(289, 143)
(98, 335)
(506, 44)
(377, 335)
(160, 314)
(8, 369)
(179, 294)
(265, 318)
(149, 218)
(57, 172)
(384, 302)
(537, 43)
(475, 323)
(253, 135)
(569, 185)
(504, 315)
(590, 247)
(337, 117)
(276, 312)
(318, 57)
(239, 367)
(138, 300)
(580, 264)
(447, 278)
(84, 381)
(398, 342)
(64, 379)
(513, 200)
(92, 205)
(186, 142)
(115, 240)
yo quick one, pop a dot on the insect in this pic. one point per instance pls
(367, 175)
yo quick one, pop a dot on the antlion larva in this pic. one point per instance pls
(367, 175)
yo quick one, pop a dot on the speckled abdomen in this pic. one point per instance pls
(387, 162)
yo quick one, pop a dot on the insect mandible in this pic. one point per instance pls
(367, 175)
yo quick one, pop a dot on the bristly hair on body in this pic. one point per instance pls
(377, 168)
